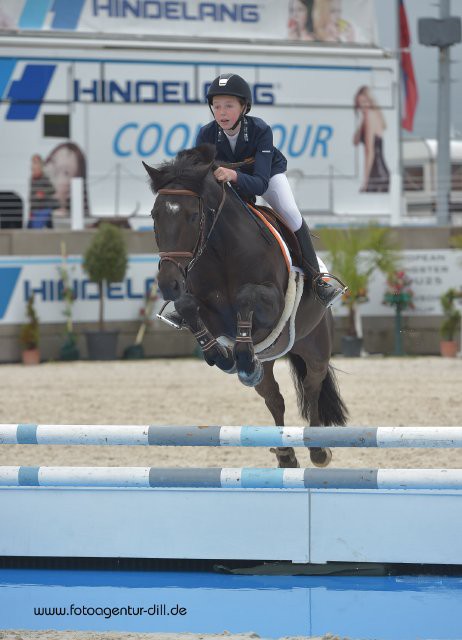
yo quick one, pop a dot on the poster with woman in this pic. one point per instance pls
(370, 134)
(64, 162)
(333, 21)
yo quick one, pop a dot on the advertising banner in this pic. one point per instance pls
(335, 122)
(333, 21)
(23, 276)
(432, 273)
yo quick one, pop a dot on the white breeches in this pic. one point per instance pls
(279, 196)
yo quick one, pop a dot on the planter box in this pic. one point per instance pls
(351, 346)
(30, 356)
(102, 345)
(448, 348)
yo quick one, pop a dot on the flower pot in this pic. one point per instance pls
(102, 345)
(134, 352)
(69, 351)
(448, 348)
(31, 356)
(351, 346)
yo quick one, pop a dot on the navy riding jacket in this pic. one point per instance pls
(255, 139)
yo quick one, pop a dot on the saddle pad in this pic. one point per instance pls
(282, 245)
(289, 237)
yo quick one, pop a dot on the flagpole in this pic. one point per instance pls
(444, 125)
(396, 217)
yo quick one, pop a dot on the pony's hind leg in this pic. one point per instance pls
(268, 389)
(317, 393)
(309, 380)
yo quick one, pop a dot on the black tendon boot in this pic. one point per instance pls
(326, 292)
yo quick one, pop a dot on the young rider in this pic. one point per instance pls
(237, 137)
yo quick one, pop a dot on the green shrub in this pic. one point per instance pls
(353, 256)
(105, 261)
(451, 321)
(29, 334)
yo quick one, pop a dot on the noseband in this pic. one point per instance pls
(202, 239)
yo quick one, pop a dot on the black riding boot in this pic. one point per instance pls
(326, 293)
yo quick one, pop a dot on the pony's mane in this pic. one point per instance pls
(186, 170)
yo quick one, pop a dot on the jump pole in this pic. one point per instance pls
(232, 436)
(230, 478)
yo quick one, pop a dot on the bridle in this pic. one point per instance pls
(202, 238)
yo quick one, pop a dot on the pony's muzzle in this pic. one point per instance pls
(171, 283)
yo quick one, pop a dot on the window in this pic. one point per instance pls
(456, 177)
(56, 125)
(413, 178)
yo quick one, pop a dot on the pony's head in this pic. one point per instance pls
(178, 212)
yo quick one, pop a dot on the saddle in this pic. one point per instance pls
(276, 221)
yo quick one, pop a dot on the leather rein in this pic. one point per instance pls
(202, 238)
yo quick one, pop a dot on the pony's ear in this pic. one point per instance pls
(207, 152)
(201, 171)
(155, 175)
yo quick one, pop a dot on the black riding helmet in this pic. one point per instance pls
(230, 84)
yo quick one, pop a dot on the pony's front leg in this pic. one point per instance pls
(214, 353)
(258, 307)
(249, 367)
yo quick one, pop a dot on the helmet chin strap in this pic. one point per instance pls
(239, 120)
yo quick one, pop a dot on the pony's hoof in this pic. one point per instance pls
(320, 457)
(286, 458)
(252, 379)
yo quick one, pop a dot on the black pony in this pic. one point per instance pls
(228, 278)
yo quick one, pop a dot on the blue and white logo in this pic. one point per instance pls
(66, 14)
(26, 94)
(8, 281)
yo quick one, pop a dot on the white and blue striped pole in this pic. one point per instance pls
(229, 436)
(225, 478)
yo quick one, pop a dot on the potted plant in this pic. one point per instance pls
(105, 261)
(354, 254)
(400, 296)
(69, 349)
(456, 241)
(450, 324)
(29, 335)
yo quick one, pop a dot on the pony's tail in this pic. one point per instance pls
(331, 408)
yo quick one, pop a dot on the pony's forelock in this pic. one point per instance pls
(187, 171)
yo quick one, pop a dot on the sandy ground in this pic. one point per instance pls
(377, 391)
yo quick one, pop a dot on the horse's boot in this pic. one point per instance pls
(325, 292)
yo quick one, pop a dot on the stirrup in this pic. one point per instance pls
(171, 317)
(341, 289)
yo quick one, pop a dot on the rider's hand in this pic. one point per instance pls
(225, 175)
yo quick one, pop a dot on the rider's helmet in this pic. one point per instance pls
(230, 84)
